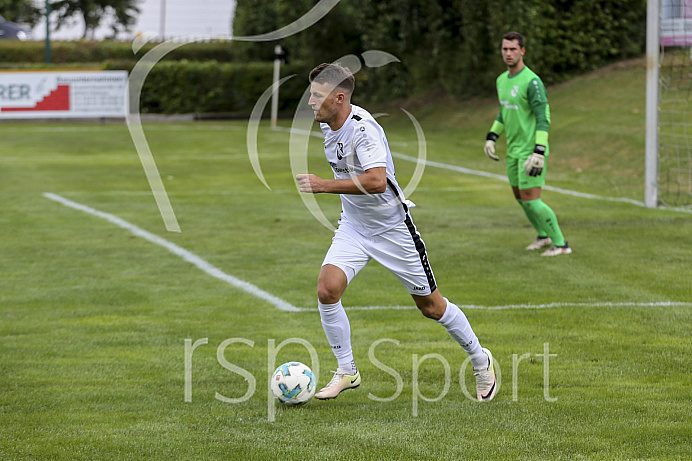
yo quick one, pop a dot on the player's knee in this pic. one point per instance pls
(431, 306)
(430, 310)
(328, 294)
(426, 311)
(331, 284)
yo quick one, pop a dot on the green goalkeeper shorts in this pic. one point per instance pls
(518, 177)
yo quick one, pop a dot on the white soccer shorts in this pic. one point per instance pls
(401, 250)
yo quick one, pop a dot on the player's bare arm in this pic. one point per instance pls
(373, 181)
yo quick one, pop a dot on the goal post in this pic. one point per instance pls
(652, 100)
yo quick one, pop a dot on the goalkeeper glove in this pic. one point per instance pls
(533, 166)
(490, 146)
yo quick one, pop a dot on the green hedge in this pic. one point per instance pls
(231, 88)
(85, 51)
(211, 87)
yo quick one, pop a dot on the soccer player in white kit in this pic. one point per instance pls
(375, 224)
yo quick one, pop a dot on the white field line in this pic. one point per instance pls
(186, 255)
(532, 306)
(485, 174)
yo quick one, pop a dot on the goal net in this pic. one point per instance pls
(675, 103)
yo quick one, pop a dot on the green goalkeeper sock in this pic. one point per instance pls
(545, 216)
(532, 219)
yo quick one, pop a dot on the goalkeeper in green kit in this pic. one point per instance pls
(524, 117)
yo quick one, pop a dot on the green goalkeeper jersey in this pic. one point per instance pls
(524, 112)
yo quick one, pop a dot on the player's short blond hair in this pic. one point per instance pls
(335, 75)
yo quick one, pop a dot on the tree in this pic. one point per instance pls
(92, 12)
(336, 34)
(451, 46)
(21, 11)
(253, 18)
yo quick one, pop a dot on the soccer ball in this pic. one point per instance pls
(293, 383)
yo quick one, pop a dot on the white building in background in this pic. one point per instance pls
(159, 18)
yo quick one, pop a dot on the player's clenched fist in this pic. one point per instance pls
(309, 183)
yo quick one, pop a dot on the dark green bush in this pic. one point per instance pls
(207, 87)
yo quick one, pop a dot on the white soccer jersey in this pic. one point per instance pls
(361, 144)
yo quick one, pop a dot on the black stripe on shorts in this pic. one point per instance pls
(417, 240)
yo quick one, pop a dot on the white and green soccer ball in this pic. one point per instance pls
(293, 383)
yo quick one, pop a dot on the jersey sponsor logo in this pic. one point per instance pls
(340, 150)
(336, 168)
(508, 105)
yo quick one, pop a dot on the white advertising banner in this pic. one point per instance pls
(63, 94)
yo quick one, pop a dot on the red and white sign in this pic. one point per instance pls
(63, 94)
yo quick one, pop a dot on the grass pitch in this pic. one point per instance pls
(594, 348)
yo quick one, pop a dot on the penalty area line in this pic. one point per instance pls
(184, 254)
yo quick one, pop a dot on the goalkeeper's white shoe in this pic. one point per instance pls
(539, 243)
(556, 251)
(486, 386)
(340, 382)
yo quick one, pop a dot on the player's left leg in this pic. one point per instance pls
(545, 214)
(457, 325)
(530, 194)
(402, 251)
(448, 314)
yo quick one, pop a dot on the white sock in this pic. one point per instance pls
(459, 328)
(338, 331)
